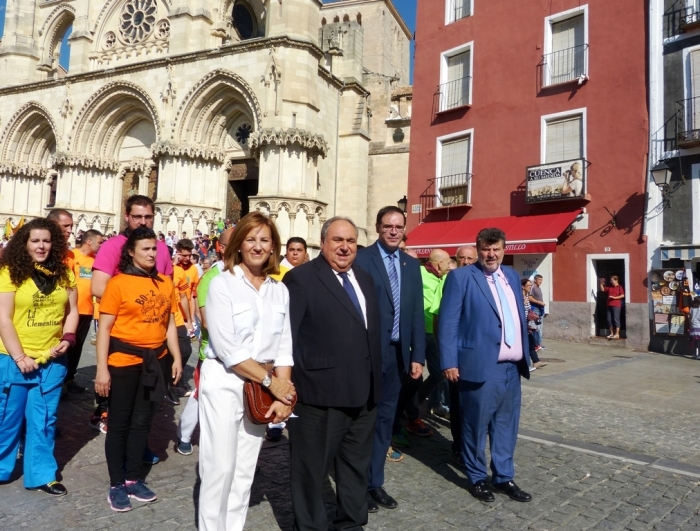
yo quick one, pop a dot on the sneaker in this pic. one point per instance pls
(610, 336)
(139, 491)
(542, 347)
(418, 427)
(616, 336)
(394, 456)
(99, 423)
(118, 498)
(541, 364)
(399, 440)
(73, 387)
(533, 368)
(538, 348)
(149, 457)
(457, 458)
(273, 434)
(183, 448)
(441, 411)
(171, 397)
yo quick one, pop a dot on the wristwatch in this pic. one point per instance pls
(267, 381)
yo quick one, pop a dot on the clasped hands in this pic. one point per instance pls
(283, 390)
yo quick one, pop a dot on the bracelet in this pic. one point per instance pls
(70, 338)
(17, 360)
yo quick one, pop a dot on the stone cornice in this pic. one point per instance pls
(189, 57)
(314, 144)
(194, 152)
(25, 170)
(78, 160)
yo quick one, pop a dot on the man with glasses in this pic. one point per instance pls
(466, 255)
(397, 283)
(138, 212)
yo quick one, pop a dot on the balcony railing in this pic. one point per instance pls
(459, 9)
(448, 190)
(454, 94)
(689, 19)
(688, 123)
(565, 66)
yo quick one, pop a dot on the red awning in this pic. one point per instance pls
(525, 234)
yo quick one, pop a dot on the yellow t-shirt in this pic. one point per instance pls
(279, 276)
(38, 318)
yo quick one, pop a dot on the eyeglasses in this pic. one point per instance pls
(389, 228)
(149, 217)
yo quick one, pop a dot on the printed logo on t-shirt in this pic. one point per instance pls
(155, 307)
(85, 272)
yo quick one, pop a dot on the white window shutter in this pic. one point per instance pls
(564, 139)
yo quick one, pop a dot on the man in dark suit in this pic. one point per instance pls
(483, 347)
(337, 373)
(397, 283)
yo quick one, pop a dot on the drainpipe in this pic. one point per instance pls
(337, 158)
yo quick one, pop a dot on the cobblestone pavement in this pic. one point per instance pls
(593, 451)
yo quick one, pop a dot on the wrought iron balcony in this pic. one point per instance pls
(565, 66)
(459, 9)
(689, 19)
(454, 94)
(688, 123)
(445, 191)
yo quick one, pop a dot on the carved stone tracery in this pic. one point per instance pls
(314, 145)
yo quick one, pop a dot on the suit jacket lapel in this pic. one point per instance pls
(381, 268)
(484, 285)
(328, 278)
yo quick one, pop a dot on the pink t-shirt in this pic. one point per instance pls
(107, 259)
(514, 352)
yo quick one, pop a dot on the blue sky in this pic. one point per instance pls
(407, 8)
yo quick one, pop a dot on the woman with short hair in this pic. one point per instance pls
(135, 334)
(249, 339)
(38, 320)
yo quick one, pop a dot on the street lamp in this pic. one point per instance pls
(402, 203)
(661, 173)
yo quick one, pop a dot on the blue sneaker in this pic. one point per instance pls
(118, 498)
(149, 457)
(139, 491)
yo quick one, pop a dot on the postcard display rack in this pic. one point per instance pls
(667, 299)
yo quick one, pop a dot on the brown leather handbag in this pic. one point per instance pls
(258, 400)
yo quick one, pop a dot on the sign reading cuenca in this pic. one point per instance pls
(556, 181)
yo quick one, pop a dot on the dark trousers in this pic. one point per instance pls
(432, 360)
(73, 354)
(386, 411)
(491, 408)
(185, 343)
(407, 400)
(531, 342)
(322, 437)
(130, 415)
(455, 417)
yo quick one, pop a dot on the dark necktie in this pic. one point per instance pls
(395, 295)
(350, 290)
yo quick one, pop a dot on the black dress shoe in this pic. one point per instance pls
(480, 490)
(372, 506)
(54, 488)
(510, 489)
(382, 499)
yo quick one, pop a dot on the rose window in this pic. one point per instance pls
(137, 20)
(243, 133)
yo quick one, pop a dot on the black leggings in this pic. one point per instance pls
(130, 416)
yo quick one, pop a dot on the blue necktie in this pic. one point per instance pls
(508, 324)
(396, 295)
(347, 285)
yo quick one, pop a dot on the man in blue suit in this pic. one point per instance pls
(483, 347)
(397, 283)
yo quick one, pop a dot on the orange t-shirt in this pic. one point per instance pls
(142, 307)
(82, 267)
(70, 258)
(185, 281)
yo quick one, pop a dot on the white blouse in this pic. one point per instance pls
(246, 323)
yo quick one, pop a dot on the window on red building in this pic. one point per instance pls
(456, 79)
(564, 139)
(566, 58)
(454, 172)
(457, 9)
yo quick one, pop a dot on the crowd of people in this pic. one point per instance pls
(345, 335)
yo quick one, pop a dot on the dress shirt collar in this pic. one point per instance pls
(384, 252)
(240, 275)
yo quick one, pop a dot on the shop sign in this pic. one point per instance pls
(670, 300)
(556, 181)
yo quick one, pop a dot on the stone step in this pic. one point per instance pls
(611, 343)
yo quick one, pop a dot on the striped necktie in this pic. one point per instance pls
(395, 295)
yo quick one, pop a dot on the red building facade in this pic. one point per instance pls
(532, 116)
